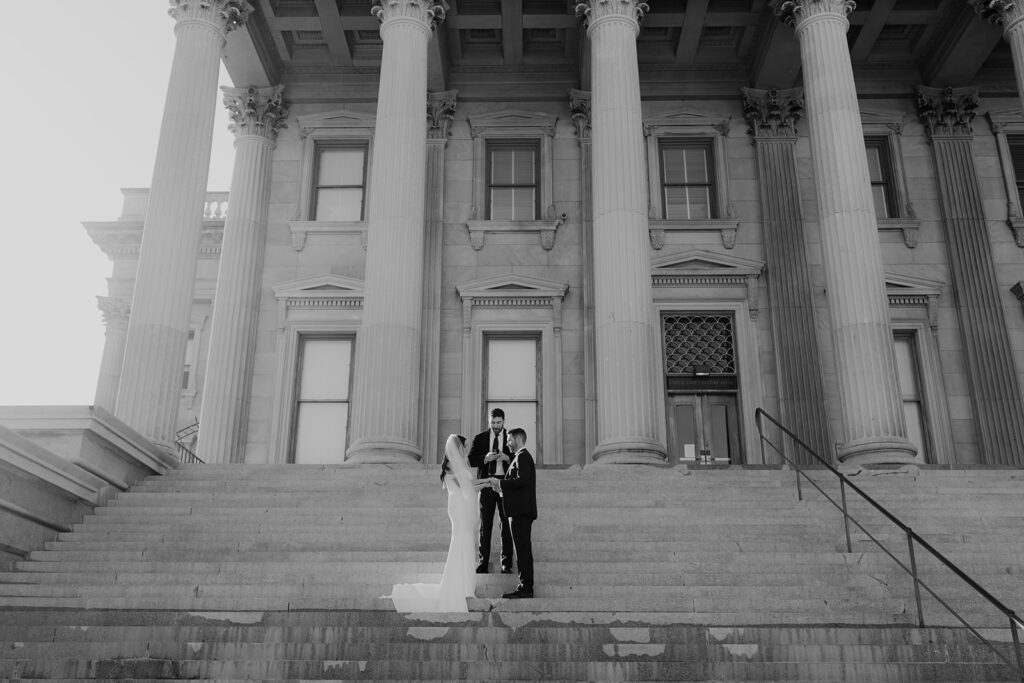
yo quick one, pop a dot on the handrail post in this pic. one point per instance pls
(846, 516)
(913, 573)
(1016, 648)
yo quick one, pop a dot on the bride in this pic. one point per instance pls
(458, 581)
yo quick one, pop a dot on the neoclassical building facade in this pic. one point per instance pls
(630, 225)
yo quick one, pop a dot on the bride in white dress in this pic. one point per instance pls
(458, 581)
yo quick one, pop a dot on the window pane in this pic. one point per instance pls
(511, 166)
(320, 433)
(915, 427)
(686, 431)
(520, 415)
(325, 369)
(906, 367)
(720, 431)
(875, 164)
(685, 165)
(339, 204)
(341, 166)
(687, 203)
(523, 204)
(881, 203)
(503, 204)
(512, 369)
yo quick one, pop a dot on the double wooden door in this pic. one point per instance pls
(704, 428)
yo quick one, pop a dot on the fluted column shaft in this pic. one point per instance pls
(870, 402)
(115, 319)
(386, 385)
(988, 355)
(257, 114)
(772, 116)
(154, 354)
(630, 414)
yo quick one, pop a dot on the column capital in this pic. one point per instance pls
(772, 113)
(440, 113)
(579, 108)
(256, 111)
(1006, 13)
(595, 11)
(946, 111)
(428, 13)
(224, 15)
(797, 12)
(114, 310)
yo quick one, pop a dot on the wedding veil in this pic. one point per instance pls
(456, 453)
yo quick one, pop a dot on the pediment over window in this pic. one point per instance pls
(321, 291)
(896, 283)
(344, 119)
(511, 121)
(682, 118)
(704, 262)
(893, 120)
(511, 286)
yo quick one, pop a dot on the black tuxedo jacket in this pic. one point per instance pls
(481, 447)
(519, 487)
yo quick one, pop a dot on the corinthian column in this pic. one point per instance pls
(872, 410)
(256, 116)
(386, 382)
(115, 319)
(988, 354)
(162, 300)
(630, 413)
(1010, 15)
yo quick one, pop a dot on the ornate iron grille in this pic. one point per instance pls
(699, 340)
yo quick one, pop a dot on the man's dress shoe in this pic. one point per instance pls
(506, 570)
(481, 570)
(519, 593)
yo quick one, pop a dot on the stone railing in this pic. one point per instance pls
(136, 200)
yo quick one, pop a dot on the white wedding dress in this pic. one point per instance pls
(458, 581)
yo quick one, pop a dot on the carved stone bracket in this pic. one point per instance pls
(545, 228)
(1016, 224)
(909, 227)
(947, 111)
(300, 231)
(256, 111)
(772, 113)
(1018, 291)
(726, 227)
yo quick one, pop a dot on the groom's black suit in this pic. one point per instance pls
(489, 499)
(519, 498)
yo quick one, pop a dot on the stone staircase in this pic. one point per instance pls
(279, 572)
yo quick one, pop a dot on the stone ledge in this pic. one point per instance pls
(19, 453)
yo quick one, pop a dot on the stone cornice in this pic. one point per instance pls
(511, 122)
(579, 108)
(947, 111)
(772, 113)
(225, 15)
(122, 239)
(440, 113)
(320, 291)
(796, 12)
(256, 111)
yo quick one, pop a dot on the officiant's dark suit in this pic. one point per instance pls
(519, 497)
(494, 439)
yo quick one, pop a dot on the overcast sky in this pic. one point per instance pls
(86, 83)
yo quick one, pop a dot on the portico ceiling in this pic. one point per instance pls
(684, 46)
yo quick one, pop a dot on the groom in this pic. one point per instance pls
(518, 491)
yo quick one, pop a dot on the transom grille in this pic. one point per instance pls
(705, 339)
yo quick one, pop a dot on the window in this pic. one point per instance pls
(687, 185)
(1016, 145)
(511, 384)
(883, 187)
(322, 400)
(340, 183)
(908, 370)
(512, 185)
(186, 375)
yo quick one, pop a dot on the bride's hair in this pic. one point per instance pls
(446, 464)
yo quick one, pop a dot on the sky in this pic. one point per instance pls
(86, 83)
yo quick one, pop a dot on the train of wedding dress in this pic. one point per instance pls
(458, 581)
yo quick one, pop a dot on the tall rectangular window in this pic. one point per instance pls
(322, 404)
(512, 377)
(340, 183)
(883, 189)
(512, 180)
(687, 170)
(907, 368)
(190, 352)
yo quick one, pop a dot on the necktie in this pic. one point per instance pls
(499, 468)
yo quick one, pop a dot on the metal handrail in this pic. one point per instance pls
(185, 454)
(912, 537)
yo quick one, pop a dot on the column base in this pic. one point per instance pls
(878, 452)
(630, 453)
(367, 451)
